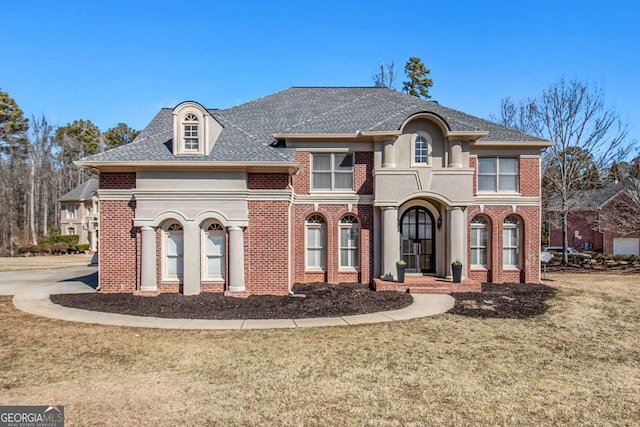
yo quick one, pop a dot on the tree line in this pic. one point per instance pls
(36, 168)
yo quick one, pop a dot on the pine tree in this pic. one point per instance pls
(419, 82)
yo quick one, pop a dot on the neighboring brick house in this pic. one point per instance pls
(79, 212)
(602, 220)
(316, 185)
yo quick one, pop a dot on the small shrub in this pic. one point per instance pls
(35, 249)
(83, 247)
(60, 248)
(45, 248)
(23, 249)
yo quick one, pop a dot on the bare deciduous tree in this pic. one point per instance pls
(586, 133)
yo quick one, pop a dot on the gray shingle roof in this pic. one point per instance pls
(248, 129)
(588, 200)
(83, 191)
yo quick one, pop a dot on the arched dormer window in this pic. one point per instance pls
(190, 132)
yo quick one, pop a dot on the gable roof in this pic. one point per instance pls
(84, 191)
(249, 129)
(595, 199)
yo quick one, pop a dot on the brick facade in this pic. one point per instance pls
(332, 215)
(529, 271)
(119, 240)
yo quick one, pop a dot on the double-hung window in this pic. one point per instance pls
(332, 172)
(174, 250)
(498, 174)
(420, 150)
(190, 125)
(213, 248)
(316, 243)
(511, 232)
(479, 242)
(349, 242)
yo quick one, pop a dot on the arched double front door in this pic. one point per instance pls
(417, 240)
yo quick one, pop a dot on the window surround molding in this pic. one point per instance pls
(428, 149)
(208, 129)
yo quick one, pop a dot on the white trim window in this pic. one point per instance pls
(511, 242)
(173, 251)
(498, 174)
(213, 251)
(191, 132)
(479, 242)
(421, 149)
(349, 242)
(316, 243)
(71, 231)
(332, 172)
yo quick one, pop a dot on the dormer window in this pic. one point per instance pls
(195, 130)
(191, 135)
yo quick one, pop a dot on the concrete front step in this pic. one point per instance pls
(428, 285)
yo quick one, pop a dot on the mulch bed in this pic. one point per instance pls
(320, 300)
(511, 301)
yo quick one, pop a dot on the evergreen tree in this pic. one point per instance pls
(119, 135)
(615, 176)
(418, 75)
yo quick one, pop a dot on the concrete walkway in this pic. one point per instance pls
(32, 296)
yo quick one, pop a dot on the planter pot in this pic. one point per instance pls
(457, 272)
(401, 268)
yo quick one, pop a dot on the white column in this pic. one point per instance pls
(455, 157)
(390, 240)
(191, 260)
(148, 260)
(94, 240)
(236, 259)
(458, 233)
(389, 157)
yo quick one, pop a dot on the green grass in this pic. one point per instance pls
(578, 364)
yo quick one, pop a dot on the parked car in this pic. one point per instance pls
(570, 251)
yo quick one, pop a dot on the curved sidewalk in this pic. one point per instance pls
(36, 301)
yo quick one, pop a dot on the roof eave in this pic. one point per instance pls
(334, 136)
(502, 144)
(119, 166)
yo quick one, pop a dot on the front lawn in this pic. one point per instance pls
(576, 364)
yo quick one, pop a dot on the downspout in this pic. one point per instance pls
(289, 250)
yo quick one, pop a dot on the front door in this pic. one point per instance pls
(418, 244)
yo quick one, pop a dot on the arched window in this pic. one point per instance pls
(316, 242)
(173, 251)
(511, 242)
(349, 242)
(213, 251)
(420, 150)
(479, 242)
(190, 127)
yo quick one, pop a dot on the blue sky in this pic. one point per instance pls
(120, 61)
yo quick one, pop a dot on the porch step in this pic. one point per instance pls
(428, 285)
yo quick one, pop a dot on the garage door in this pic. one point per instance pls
(626, 246)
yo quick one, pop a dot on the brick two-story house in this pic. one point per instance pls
(316, 185)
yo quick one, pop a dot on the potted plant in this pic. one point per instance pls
(456, 268)
(401, 265)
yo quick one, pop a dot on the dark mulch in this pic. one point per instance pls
(320, 300)
(511, 301)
